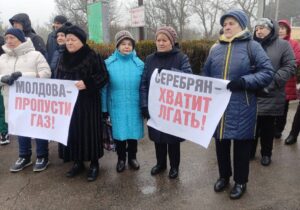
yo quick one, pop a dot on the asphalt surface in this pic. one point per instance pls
(274, 187)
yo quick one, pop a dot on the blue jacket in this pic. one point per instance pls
(230, 60)
(120, 98)
(174, 61)
(55, 60)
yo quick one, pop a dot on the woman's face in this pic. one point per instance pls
(11, 41)
(231, 27)
(262, 31)
(61, 38)
(125, 47)
(163, 44)
(73, 44)
(282, 31)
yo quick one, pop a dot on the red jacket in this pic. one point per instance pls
(290, 87)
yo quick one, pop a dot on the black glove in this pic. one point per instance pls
(145, 113)
(236, 85)
(105, 115)
(7, 79)
(16, 75)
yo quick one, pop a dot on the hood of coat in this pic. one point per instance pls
(268, 40)
(241, 36)
(24, 20)
(288, 26)
(22, 49)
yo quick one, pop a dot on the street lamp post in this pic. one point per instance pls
(141, 29)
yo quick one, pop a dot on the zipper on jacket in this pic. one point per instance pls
(247, 99)
(225, 77)
(15, 63)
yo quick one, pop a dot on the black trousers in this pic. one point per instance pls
(296, 123)
(161, 151)
(280, 121)
(241, 159)
(265, 129)
(131, 149)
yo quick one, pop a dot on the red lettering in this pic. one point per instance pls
(162, 94)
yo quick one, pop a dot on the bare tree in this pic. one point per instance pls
(76, 10)
(248, 6)
(208, 14)
(174, 13)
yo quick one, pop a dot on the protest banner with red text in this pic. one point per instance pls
(41, 108)
(186, 105)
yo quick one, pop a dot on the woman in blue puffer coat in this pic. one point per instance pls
(242, 61)
(120, 99)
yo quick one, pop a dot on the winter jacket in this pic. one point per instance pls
(51, 45)
(55, 59)
(120, 98)
(25, 59)
(174, 61)
(37, 41)
(284, 65)
(230, 60)
(85, 131)
(290, 87)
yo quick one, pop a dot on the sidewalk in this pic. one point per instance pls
(273, 187)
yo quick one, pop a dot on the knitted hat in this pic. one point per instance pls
(63, 28)
(19, 34)
(237, 14)
(78, 32)
(265, 22)
(60, 19)
(169, 32)
(121, 35)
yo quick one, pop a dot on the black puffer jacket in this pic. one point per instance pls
(173, 60)
(284, 63)
(37, 41)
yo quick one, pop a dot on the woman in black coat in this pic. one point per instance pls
(82, 64)
(169, 57)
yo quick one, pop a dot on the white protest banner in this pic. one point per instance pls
(41, 108)
(186, 105)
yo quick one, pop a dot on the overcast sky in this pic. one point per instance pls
(39, 11)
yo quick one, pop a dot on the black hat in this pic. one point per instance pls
(19, 34)
(78, 32)
(60, 19)
(63, 28)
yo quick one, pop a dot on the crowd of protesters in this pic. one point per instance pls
(261, 69)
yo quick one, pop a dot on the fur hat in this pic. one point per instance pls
(78, 32)
(121, 35)
(17, 33)
(169, 32)
(266, 22)
(237, 14)
(60, 19)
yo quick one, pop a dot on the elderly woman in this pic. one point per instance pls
(79, 62)
(168, 56)
(21, 59)
(233, 59)
(272, 104)
(121, 99)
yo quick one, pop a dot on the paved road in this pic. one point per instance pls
(273, 187)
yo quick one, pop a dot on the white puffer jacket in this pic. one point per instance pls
(25, 59)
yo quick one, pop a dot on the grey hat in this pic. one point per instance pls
(121, 35)
(266, 22)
